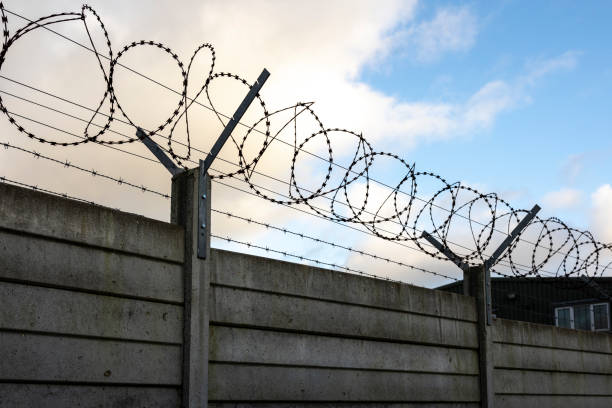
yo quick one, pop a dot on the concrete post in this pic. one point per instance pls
(196, 277)
(474, 284)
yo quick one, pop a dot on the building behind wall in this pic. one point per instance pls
(574, 303)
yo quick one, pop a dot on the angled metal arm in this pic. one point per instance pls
(229, 128)
(446, 251)
(510, 238)
(158, 152)
(203, 201)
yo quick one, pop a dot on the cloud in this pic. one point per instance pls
(315, 51)
(573, 166)
(453, 29)
(601, 215)
(540, 67)
(563, 199)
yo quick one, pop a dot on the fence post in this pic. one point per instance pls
(196, 278)
(476, 285)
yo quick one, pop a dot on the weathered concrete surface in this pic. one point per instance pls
(86, 396)
(267, 310)
(46, 358)
(33, 308)
(37, 260)
(548, 401)
(247, 271)
(270, 383)
(241, 345)
(514, 332)
(341, 404)
(549, 359)
(552, 383)
(42, 214)
(91, 308)
(545, 366)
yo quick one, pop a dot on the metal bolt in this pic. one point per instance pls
(203, 195)
(203, 225)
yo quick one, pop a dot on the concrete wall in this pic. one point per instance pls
(90, 305)
(538, 366)
(92, 314)
(283, 335)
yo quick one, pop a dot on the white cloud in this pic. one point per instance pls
(601, 215)
(563, 199)
(540, 67)
(453, 29)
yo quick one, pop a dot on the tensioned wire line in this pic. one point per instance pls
(319, 240)
(280, 140)
(250, 245)
(93, 172)
(193, 161)
(36, 188)
(261, 187)
(143, 157)
(525, 267)
(303, 258)
(323, 218)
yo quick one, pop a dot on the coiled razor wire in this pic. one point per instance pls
(577, 252)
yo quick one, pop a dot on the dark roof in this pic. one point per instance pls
(534, 299)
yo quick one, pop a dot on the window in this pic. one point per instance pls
(595, 317)
(563, 317)
(601, 316)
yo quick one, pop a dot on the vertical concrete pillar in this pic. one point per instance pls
(474, 284)
(196, 277)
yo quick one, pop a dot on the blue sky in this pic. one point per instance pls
(506, 96)
(557, 136)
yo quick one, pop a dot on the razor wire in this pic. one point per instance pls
(579, 251)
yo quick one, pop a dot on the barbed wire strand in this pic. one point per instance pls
(304, 258)
(332, 244)
(34, 187)
(143, 157)
(93, 172)
(364, 156)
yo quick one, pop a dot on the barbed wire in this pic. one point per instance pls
(93, 172)
(333, 244)
(304, 258)
(579, 251)
(517, 265)
(6, 180)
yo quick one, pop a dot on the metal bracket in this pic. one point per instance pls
(158, 152)
(446, 251)
(229, 128)
(488, 263)
(203, 201)
(202, 211)
(515, 232)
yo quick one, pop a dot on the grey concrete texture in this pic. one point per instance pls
(240, 270)
(47, 358)
(32, 308)
(86, 396)
(267, 310)
(37, 213)
(515, 332)
(242, 345)
(551, 383)
(548, 359)
(340, 404)
(37, 260)
(548, 401)
(273, 383)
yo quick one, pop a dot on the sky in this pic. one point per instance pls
(505, 96)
